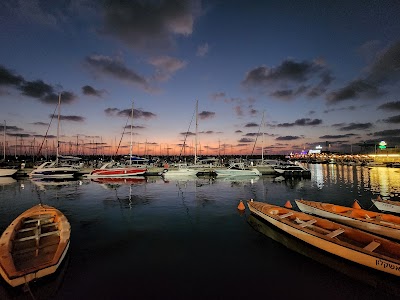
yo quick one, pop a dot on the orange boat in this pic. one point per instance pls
(350, 243)
(34, 245)
(375, 222)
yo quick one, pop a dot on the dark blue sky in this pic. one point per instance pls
(319, 71)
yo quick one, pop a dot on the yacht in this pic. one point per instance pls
(237, 169)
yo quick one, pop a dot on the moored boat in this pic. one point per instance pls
(349, 243)
(113, 169)
(378, 223)
(237, 169)
(34, 245)
(386, 205)
(181, 171)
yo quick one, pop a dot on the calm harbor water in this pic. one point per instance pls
(185, 239)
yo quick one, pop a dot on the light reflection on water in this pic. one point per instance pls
(186, 237)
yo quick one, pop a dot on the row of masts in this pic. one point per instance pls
(95, 149)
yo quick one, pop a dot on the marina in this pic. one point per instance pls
(186, 236)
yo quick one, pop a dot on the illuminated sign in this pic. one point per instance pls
(382, 145)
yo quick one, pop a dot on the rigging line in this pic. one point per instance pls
(45, 136)
(258, 133)
(187, 132)
(116, 152)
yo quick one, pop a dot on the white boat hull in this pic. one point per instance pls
(386, 206)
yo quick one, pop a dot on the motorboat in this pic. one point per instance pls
(115, 169)
(237, 169)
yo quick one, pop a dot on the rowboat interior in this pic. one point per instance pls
(331, 230)
(33, 245)
(359, 213)
(36, 241)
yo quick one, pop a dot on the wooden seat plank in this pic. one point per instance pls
(308, 223)
(372, 246)
(286, 215)
(335, 233)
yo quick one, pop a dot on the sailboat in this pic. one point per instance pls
(5, 171)
(116, 169)
(57, 168)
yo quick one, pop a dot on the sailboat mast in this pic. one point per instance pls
(130, 148)
(58, 128)
(195, 146)
(4, 143)
(262, 142)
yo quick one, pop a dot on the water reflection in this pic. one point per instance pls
(379, 180)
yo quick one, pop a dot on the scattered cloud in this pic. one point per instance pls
(388, 133)
(206, 115)
(202, 50)
(115, 68)
(251, 125)
(384, 70)
(356, 126)
(166, 66)
(149, 25)
(302, 122)
(287, 138)
(69, 118)
(393, 119)
(337, 136)
(246, 140)
(389, 106)
(91, 91)
(290, 79)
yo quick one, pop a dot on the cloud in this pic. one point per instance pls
(389, 106)
(149, 25)
(114, 67)
(12, 128)
(112, 111)
(290, 79)
(202, 50)
(393, 119)
(69, 118)
(239, 111)
(337, 136)
(251, 125)
(385, 69)
(287, 138)
(302, 122)
(36, 89)
(388, 133)
(218, 96)
(246, 140)
(187, 133)
(253, 134)
(166, 66)
(356, 126)
(7, 77)
(30, 12)
(206, 115)
(91, 91)
(137, 114)
(355, 89)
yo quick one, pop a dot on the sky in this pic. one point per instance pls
(278, 76)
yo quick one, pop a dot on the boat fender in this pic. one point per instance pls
(288, 204)
(241, 206)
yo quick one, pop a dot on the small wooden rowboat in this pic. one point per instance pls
(350, 243)
(378, 223)
(386, 205)
(34, 245)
